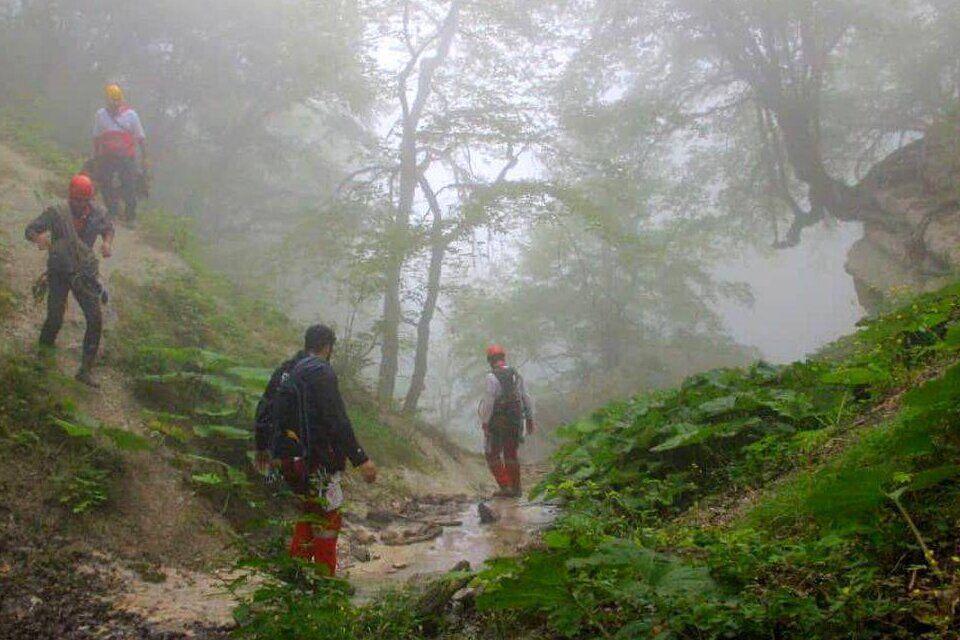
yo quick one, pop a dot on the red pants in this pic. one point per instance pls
(500, 447)
(314, 537)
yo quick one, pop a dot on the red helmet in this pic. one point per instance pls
(496, 352)
(81, 187)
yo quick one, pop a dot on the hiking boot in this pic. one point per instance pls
(503, 492)
(85, 374)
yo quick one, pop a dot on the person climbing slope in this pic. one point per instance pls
(68, 233)
(117, 135)
(504, 411)
(303, 428)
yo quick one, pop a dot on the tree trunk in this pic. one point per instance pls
(438, 251)
(412, 113)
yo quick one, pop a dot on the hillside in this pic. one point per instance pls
(816, 500)
(139, 492)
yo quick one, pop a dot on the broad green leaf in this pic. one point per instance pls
(222, 431)
(209, 479)
(72, 429)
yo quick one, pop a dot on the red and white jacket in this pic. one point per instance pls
(117, 134)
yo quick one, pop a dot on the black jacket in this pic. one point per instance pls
(326, 413)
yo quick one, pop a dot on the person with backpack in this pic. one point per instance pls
(117, 136)
(68, 233)
(302, 428)
(504, 411)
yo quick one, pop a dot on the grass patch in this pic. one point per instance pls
(28, 133)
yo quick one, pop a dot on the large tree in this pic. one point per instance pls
(810, 91)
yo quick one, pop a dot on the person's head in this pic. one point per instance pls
(319, 341)
(81, 191)
(114, 96)
(496, 355)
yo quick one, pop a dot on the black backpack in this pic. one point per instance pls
(296, 430)
(509, 405)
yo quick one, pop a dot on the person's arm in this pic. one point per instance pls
(107, 232)
(489, 400)
(97, 132)
(334, 412)
(38, 231)
(527, 406)
(141, 137)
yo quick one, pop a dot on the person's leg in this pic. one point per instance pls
(107, 169)
(511, 462)
(493, 451)
(87, 292)
(327, 525)
(57, 292)
(128, 187)
(301, 545)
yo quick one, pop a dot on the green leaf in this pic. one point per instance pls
(856, 377)
(74, 430)
(222, 431)
(556, 540)
(209, 479)
(126, 440)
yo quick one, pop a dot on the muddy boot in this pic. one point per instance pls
(503, 492)
(85, 374)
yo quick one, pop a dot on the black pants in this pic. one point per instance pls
(108, 169)
(87, 292)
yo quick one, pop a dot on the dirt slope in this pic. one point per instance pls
(158, 522)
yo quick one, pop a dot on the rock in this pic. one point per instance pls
(423, 533)
(379, 516)
(487, 515)
(399, 565)
(360, 553)
(364, 537)
(448, 523)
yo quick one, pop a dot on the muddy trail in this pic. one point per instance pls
(430, 535)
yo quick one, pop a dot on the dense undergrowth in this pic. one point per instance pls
(817, 500)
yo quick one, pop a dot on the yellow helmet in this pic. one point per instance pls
(114, 92)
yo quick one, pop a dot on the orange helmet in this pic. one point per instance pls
(496, 352)
(81, 187)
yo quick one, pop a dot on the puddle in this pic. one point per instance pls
(519, 523)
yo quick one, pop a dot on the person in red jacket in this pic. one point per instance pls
(117, 136)
(504, 410)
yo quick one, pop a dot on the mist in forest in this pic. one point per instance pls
(621, 193)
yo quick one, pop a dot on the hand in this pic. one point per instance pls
(262, 461)
(531, 427)
(368, 470)
(43, 241)
(106, 249)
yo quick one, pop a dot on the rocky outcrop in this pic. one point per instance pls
(917, 246)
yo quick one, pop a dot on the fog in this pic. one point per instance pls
(592, 184)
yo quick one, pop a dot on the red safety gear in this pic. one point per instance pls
(496, 352)
(81, 187)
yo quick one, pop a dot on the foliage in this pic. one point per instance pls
(85, 490)
(827, 550)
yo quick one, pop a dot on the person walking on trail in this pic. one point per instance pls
(504, 411)
(302, 427)
(117, 136)
(68, 233)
